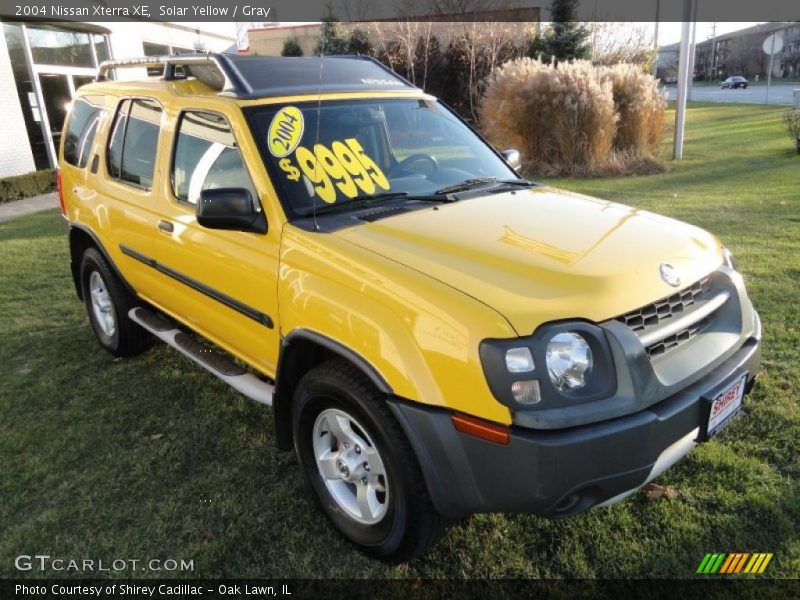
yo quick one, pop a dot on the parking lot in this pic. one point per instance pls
(779, 93)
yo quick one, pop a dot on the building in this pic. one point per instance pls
(738, 53)
(42, 64)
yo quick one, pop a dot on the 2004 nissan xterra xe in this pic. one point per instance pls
(436, 336)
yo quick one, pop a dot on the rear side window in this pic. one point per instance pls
(133, 143)
(114, 152)
(206, 158)
(81, 129)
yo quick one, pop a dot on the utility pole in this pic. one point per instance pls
(714, 51)
(655, 39)
(692, 52)
(683, 76)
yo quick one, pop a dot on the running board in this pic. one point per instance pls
(217, 364)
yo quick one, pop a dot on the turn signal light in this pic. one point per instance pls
(479, 428)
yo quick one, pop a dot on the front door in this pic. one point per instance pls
(222, 283)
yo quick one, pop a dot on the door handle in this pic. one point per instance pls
(166, 226)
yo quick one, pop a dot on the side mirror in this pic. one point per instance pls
(513, 158)
(230, 208)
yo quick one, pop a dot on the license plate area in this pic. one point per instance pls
(724, 405)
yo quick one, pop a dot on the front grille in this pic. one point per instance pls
(677, 339)
(653, 322)
(656, 313)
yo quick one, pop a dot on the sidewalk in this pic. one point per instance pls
(27, 206)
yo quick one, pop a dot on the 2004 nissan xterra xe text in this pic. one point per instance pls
(436, 336)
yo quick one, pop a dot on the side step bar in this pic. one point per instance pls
(217, 364)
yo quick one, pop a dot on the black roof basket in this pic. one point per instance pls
(245, 76)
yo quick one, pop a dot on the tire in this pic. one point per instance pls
(104, 294)
(402, 522)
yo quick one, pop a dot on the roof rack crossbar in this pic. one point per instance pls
(232, 80)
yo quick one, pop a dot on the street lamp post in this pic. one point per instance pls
(683, 77)
(655, 40)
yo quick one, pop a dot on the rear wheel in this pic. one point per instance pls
(363, 471)
(107, 303)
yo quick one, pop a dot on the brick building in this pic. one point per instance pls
(738, 53)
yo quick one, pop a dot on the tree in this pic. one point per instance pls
(291, 47)
(534, 46)
(360, 42)
(566, 38)
(614, 43)
(427, 58)
(333, 40)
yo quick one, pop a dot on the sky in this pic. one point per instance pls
(669, 33)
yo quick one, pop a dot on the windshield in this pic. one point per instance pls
(361, 148)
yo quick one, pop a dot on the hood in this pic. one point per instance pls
(542, 254)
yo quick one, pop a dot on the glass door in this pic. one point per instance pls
(57, 94)
(61, 60)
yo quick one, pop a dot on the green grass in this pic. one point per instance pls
(153, 458)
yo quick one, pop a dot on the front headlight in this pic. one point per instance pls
(519, 360)
(569, 361)
(559, 365)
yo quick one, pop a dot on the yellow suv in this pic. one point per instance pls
(436, 336)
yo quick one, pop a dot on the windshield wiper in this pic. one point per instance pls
(467, 184)
(354, 202)
(517, 182)
(492, 184)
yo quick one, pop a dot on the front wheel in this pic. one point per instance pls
(358, 462)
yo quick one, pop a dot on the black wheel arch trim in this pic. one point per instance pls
(282, 398)
(75, 261)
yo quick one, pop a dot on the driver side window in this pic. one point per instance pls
(207, 157)
(425, 129)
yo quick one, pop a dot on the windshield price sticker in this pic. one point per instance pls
(285, 131)
(341, 168)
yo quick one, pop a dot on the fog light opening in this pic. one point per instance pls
(526, 392)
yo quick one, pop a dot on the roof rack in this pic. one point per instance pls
(206, 67)
(245, 76)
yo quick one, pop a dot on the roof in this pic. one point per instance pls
(250, 77)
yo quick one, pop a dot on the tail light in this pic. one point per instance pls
(61, 193)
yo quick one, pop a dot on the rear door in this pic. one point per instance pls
(120, 188)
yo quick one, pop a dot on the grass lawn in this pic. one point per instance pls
(153, 458)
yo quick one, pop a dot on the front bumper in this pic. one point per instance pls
(561, 472)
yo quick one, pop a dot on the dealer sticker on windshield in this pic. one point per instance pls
(725, 405)
(341, 170)
(285, 131)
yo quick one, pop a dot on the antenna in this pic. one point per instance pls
(319, 111)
